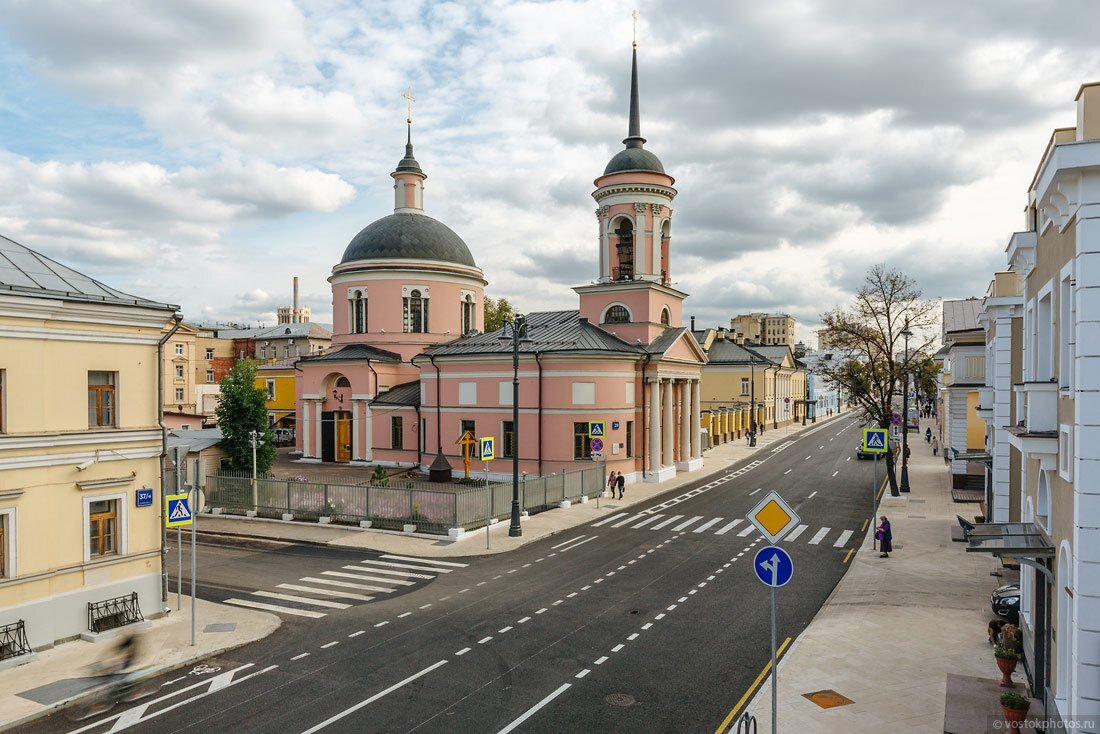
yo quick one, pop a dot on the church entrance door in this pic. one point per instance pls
(343, 437)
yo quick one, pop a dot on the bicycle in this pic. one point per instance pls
(119, 688)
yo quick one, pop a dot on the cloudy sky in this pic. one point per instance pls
(202, 152)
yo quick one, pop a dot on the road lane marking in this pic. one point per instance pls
(601, 660)
(301, 599)
(643, 523)
(843, 539)
(402, 616)
(848, 554)
(388, 571)
(340, 574)
(685, 523)
(483, 640)
(647, 625)
(481, 583)
(583, 673)
(565, 542)
(525, 619)
(751, 689)
(525, 565)
(606, 520)
(559, 601)
(788, 472)
(534, 709)
(275, 608)
(628, 520)
(392, 564)
(463, 591)
(758, 489)
(848, 459)
(571, 595)
(707, 524)
(326, 592)
(432, 561)
(795, 533)
(383, 623)
(660, 616)
(541, 610)
(812, 495)
(463, 651)
(356, 634)
(682, 599)
(375, 697)
(669, 521)
(300, 656)
(633, 636)
(726, 528)
(330, 644)
(575, 545)
(807, 458)
(618, 647)
(820, 536)
(836, 472)
(379, 579)
(425, 606)
(506, 629)
(746, 531)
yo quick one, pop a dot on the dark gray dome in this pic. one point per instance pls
(634, 159)
(408, 236)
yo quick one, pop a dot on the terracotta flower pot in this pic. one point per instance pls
(1008, 667)
(1014, 715)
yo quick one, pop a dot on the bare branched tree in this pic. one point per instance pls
(868, 336)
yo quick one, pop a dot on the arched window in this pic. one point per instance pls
(358, 313)
(625, 251)
(1042, 511)
(1064, 630)
(617, 315)
(666, 317)
(469, 323)
(416, 313)
(342, 382)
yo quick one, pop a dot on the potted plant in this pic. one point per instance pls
(1014, 706)
(979, 518)
(1006, 660)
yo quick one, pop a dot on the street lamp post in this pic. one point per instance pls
(752, 399)
(519, 331)
(904, 487)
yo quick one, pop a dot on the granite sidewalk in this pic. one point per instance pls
(60, 674)
(894, 627)
(535, 527)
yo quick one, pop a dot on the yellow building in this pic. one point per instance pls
(737, 376)
(179, 371)
(214, 357)
(79, 437)
(768, 329)
(276, 379)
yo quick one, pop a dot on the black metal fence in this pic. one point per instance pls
(432, 508)
(13, 640)
(111, 614)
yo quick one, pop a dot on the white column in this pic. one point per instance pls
(317, 430)
(306, 426)
(654, 425)
(368, 433)
(668, 427)
(605, 254)
(685, 420)
(355, 430)
(696, 419)
(1002, 417)
(640, 243)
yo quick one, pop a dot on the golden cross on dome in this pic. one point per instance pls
(409, 99)
(634, 15)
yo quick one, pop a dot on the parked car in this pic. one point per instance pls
(284, 436)
(1005, 601)
(861, 454)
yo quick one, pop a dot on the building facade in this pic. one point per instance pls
(962, 430)
(278, 380)
(79, 436)
(764, 328)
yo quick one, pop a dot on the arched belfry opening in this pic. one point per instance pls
(624, 250)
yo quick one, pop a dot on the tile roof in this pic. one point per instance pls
(665, 340)
(193, 440)
(407, 393)
(355, 352)
(547, 331)
(272, 332)
(25, 272)
(961, 315)
(723, 351)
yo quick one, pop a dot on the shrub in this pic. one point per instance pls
(1005, 653)
(1013, 700)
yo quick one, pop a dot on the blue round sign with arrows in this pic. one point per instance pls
(773, 566)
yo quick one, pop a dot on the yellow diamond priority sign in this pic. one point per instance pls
(773, 517)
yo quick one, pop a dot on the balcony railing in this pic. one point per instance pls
(1037, 403)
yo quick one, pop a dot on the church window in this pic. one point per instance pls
(666, 317)
(416, 313)
(359, 313)
(625, 251)
(342, 382)
(617, 315)
(469, 323)
(582, 444)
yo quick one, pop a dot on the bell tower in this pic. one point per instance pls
(633, 296)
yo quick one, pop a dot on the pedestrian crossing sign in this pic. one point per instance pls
(773, 517)
(178, 511)
(874, 440)
(596, 429)
(485, 445)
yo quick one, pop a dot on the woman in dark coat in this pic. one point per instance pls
(885, 537)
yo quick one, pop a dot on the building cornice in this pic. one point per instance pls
(633, 188)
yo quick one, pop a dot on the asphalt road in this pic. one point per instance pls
(636, 623)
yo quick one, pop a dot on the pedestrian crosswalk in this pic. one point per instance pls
(341, 587)
(648, 520)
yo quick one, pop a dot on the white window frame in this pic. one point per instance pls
(1044, 370)
(1065, 452)
(179, 372)
(746, 386)
(123, 508)
(210, 377)
(209, 354)
(180, 395)
(8, 515)
(608, 307)
(630, 395)
(179, 349)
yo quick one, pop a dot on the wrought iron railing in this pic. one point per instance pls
(111, 614)
(13, 640)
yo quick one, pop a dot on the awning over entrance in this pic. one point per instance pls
(1012, 539)
(978, 457)
(277, 416)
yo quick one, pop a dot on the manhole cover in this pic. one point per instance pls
(619, 699)
(828, 699)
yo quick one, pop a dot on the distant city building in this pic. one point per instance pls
(283, 341)
(294, 314)
(763, 328)
(962, 430)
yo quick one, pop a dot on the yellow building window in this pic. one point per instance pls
(101, 398)
(102, 528)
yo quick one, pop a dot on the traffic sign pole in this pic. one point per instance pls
(488, 504)
(179, 531)
(194, 523)
(775, 673)
(874, 507)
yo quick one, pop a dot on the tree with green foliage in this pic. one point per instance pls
(240, 411)
(498, 312)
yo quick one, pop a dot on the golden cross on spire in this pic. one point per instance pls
(634, 15)
(409, 99)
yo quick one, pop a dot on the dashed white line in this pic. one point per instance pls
(682, 599)
(463, 651)
(836, 472)
(383, 623)
(534, 709)
(755, 491)
(807, 458)
(788, 471)
(618, 647)
(633, 636)
(356, 634)
(463, 591)
(425, 606)
(506, 629)
(567, 542)
(524, 619)
(330, 644)
(373, 698)
(746, 531)
(402, 616)
(660, 616)
(820, 536)
(601, 660)
(299, 657)
(583, 673)
(812, 495)
(795, 533)
(571, 594)
(671, 607)
(541, 610)
(586, 588)
(647, 625)
(483, 640)
(842, 539)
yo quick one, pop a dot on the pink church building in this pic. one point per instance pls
(410, 369)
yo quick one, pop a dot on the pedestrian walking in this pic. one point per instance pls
(935, 446)
(885, 538)
(748, 438)
(612, 483)
(928, 435)
(621, 482)
(908, 452)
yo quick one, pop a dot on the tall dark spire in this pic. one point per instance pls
(408, 163)
(634, 137)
